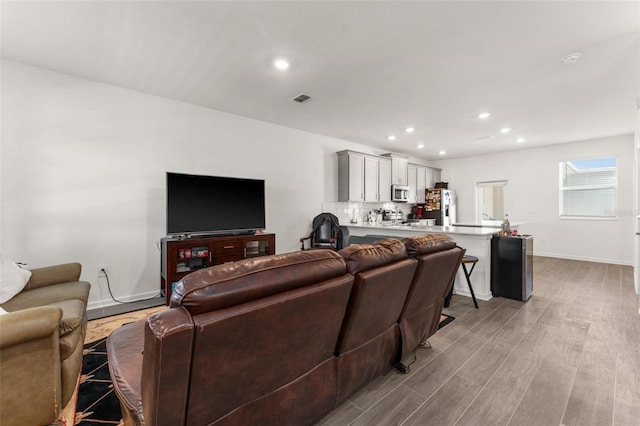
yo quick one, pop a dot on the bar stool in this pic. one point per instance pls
(467, 274)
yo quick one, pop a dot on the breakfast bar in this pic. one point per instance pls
(475, 239)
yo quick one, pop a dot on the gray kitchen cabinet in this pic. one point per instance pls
(399, 169)
(371, 183)
(421, 186)
(437, 176)
(363, 177)
(412, 181)
(350, 176)
(417, 177)
(384, 180)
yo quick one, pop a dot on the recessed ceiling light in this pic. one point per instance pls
(443, 152)
(505, 130)
(572, 58)
(420, 146)
(484, 115)
(281, 64)
(410, 130)
(392, 137)
(520, 140)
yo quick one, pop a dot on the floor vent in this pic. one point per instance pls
(301, 98)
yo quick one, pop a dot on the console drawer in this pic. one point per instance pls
(228, 247)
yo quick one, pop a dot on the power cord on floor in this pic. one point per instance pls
(121, 301)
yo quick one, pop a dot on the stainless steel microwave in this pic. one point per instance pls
(399, 193)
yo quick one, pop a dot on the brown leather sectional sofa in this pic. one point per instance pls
(284, 339)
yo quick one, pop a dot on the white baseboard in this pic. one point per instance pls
(108, 307)
(585, 259)
(104, 303)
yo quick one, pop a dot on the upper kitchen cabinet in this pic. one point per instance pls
(384, 180)
(420, 179)
(433, 176)
(417, 176)
(350, 176)
(371, 176)
(421, 184)
(363, 177)
(399, 169)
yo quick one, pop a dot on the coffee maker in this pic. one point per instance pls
(417, 211)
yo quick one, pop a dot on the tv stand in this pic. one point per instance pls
(183, 237)
(185, 255)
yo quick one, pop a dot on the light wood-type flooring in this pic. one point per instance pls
(568, 356)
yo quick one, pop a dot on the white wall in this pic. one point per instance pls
(82, 178)
(533, 194)
(83, 173)
(636, 198)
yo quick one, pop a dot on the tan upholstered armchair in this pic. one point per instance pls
(41, 344)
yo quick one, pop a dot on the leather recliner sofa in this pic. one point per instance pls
(249, 342)
(369, 337)
(41, 345)
(276, 340)
(438, 260)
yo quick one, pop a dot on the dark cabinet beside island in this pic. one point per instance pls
(512, 267)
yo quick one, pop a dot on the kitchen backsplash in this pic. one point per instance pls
(349, 212)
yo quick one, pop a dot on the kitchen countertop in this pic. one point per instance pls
(477, 225)
(413, 228)
(476, 241)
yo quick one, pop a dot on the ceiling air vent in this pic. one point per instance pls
(301, 98)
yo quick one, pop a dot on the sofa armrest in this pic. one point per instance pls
(29, 324)
(30, 368)
(49, 275)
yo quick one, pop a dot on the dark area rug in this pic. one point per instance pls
(444, 320)
(97, 403)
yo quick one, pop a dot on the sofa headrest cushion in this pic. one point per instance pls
(234, 283)
(362, 257)
(428, 243)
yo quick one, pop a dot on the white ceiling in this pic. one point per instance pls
(371, 68)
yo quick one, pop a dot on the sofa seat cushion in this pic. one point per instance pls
(125, 348)
(73, 312)
(48, 295)
(71, 326)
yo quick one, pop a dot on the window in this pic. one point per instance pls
(588, 187)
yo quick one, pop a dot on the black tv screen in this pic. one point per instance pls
(202, 205)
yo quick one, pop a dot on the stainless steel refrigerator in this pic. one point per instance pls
(440, 204)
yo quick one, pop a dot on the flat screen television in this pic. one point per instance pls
(213, 205)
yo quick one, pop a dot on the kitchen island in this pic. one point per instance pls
(476, 241)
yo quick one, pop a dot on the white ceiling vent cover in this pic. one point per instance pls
(301, 98)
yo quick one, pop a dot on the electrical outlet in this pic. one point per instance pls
(102, 270)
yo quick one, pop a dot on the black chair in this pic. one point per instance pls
(325, 233)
